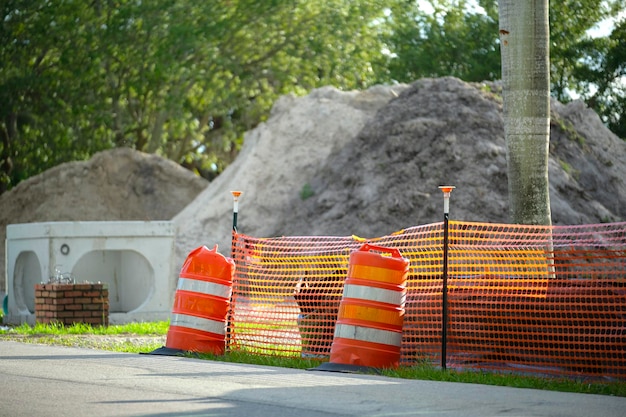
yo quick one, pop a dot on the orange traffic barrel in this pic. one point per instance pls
(368, 333)
(201, 303)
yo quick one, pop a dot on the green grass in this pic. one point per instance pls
(426, 372)
(140, 329)
(71, 336)
(294, 362)
(127, 335)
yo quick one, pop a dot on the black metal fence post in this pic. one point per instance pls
(447, 189)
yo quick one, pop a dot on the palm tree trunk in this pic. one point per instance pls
(524, 43)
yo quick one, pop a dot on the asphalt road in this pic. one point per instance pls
(53, 381)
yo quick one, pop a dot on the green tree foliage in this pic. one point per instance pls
(570, 22)
(601, 77)
(34, 88)
(456, 38)
(185, 79)
(180, 78)
(444, 39)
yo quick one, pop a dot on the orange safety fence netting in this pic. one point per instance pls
(531, 299)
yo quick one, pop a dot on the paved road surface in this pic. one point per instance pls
(55, 381)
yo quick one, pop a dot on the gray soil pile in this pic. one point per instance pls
(447, 132)
(340, 163)
(311, 170)
(120, 184)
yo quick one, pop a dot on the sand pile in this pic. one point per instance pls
(342, 163)
(120, 184)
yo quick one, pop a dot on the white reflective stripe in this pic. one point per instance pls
(374, 294)
(367, 334)
(198, 323)
(205, 287)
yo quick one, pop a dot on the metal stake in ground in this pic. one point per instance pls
(236, 195)
(447, 189)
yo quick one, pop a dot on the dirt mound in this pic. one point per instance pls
(321, 167)
(445, 131)
(120, 184)
(278, 160)
(341, 163)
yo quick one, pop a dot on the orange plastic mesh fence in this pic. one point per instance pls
(533, 299)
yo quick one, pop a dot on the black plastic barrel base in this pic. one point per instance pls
(341, 367)
(165, 351)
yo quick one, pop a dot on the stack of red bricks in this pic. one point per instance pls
(72, 303)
